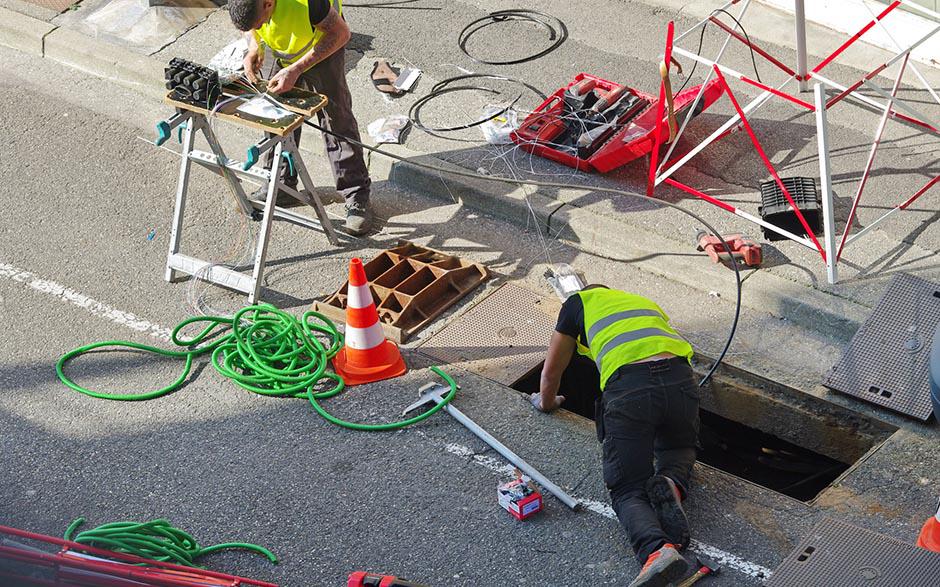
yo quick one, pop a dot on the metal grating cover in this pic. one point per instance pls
(887, 360)
(836, 554)
(501, 338)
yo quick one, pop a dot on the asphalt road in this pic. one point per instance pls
(81, 196)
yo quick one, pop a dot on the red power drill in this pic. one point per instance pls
(741, 247)
(364, 579)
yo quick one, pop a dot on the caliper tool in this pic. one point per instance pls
(435, 392)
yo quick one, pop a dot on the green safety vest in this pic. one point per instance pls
(623, 328)
(288, 32)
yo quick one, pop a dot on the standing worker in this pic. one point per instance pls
(308, 40)
(648, 408)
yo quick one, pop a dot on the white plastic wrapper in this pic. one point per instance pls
(230, 61)
(135, 23)
(388, 129)
(497, 130)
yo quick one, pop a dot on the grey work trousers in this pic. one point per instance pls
(349, 167)
(648, 410)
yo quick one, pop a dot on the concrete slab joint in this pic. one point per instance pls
(23, 33)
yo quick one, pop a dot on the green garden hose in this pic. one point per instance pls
(155, 540)
(262, 349)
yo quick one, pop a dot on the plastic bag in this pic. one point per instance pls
(135, 23)
(497, 129)
(388, 130)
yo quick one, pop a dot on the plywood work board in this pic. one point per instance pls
(230, 112)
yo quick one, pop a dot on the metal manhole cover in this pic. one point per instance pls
(501, 338)
(836, 554)
(886, 362)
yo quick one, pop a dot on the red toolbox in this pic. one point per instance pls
(632, 135)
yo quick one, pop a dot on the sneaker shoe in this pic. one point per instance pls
(662, 568)
(358, 220)
(666, 499)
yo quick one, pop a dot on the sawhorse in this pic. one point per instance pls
(190, 120)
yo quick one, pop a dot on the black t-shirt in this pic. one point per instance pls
(571, 319)
(318, 10)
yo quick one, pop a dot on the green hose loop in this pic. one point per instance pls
(261, 349)
(155, 540)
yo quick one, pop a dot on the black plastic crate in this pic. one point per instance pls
(776, 210)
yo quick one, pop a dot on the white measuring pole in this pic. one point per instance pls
(801, 45)
(825, 184)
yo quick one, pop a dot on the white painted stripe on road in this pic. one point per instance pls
(716, 555)
(91, 305)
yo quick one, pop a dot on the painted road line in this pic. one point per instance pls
(89, 304)
(726, 559)
(497, 466)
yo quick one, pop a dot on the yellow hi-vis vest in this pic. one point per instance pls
(623, 328)
(288, 32)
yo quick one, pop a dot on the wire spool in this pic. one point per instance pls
(443, 87)
(557, 32)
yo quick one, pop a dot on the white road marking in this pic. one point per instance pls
(89, 304)
(495, 465)
(725, 559)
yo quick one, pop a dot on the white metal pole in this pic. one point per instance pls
(801, 45)
(825, 181)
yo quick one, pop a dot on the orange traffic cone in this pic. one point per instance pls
(367, 356)
(930, 534)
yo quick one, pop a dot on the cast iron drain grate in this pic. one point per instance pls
(886, 362)
(501, 338)
(836, 554)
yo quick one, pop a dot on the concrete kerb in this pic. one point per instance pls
(23, 33)
(605, 236)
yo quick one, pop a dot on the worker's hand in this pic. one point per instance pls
(536, 400)
(283, 80)
(252, 63)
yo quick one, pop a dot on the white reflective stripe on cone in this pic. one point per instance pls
(359, 296)
(937, 515)
(364, 338)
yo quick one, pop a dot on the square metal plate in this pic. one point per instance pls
(886, 362)
(501, 338)
(836, 554)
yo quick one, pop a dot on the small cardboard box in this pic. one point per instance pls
(520, 498)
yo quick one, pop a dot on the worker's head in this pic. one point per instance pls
(250, 14)
(595, 286)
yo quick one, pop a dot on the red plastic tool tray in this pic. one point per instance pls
(631, 142)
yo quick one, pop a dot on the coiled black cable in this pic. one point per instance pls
(557, 32)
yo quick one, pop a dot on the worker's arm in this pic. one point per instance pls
(560, 350)
(335, 36)
(254, 58)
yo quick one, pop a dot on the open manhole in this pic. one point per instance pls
(754, 429)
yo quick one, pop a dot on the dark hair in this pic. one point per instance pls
(595, 286)
(244, 13)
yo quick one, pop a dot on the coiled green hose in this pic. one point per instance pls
(262, 349)
(154, 540)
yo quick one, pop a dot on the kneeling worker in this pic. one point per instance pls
(308, 39)
(648, 408)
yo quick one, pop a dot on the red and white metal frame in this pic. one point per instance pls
(829, 250)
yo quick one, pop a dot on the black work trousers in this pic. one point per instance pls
(649, 425)
(349, 167)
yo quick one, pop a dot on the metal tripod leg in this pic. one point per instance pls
(325, 223)
(241, 199)
(176, 229)
(267, 220)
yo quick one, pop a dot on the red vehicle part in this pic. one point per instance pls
(631, 142)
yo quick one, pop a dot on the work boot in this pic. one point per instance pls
(666, 499)
(662, 568)
(358, 219)
(283, 199)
